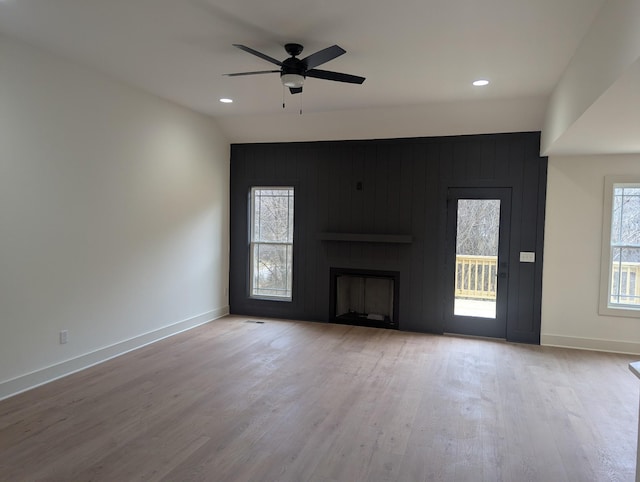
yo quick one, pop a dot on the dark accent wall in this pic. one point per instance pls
(390, 187)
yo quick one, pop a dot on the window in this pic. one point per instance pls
(620, 283)
(271, 242)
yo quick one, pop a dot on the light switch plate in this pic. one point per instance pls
(527, 257)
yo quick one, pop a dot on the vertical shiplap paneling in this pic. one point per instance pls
(473, 159)
(382, 212)
(394, 173)
(488, 159)
(516, 159)
(303, 282)
(332, 199)
(501, 159)
(237, 248)
(513, 177)
(369, 187)
(358, 205)
(403, 192)
(369, 194)
(343, 190)
(459, 160)
(446, 178)
(445, 159)
(323, 206)
(322, 203)
(431, 303)
(394, 193)
(541, 207)
(407, 159)
(524, 322)
(317, 252)
(263, 166)
(411, 315)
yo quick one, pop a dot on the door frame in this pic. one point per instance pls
(469, 325)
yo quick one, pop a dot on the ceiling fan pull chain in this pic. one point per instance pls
(283, 96)
(301, 93)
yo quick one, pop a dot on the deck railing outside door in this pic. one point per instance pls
(476, 277)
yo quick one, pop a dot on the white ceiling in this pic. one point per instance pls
(412, 52)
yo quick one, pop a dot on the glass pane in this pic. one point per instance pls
(616, 216)
(626, 216)
(477, 237)
(273, 215)
(272, 242)
(272, 270)
(625, 282)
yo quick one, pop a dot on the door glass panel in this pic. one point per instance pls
(476, 267)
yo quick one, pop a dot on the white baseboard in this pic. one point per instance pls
(48, 374)
(594, 344)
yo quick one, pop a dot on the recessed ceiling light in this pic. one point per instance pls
(480, 82)
(226, 101)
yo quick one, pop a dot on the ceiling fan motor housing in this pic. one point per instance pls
(293, 66)
(293, 70)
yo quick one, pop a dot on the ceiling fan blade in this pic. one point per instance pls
(237, 74)
(337, 76)
(322, 56)
(295, 90)
(258, 54)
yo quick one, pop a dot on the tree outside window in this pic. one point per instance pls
(624, 287)
(620, 283)
(271, 242)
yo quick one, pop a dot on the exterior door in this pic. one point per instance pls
(477, 261)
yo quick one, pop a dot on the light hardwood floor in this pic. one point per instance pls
(297, 401)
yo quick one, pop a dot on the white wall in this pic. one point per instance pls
(572, 249)
(609, 48)
(113, 217)
(426, 120)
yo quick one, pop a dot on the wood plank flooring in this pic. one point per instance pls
(296, 401)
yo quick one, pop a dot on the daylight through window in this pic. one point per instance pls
(624, 265)
(620, 283)
(271, 242)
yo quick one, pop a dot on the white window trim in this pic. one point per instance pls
(252, 244)
(606, 264)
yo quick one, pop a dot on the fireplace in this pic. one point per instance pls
(364, 297)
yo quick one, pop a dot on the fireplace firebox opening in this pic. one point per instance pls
(364, 297)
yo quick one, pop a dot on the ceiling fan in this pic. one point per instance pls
(293, 70)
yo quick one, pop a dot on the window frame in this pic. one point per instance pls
(252, 243)
(605, 307)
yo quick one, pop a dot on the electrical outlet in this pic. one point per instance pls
(64, 337)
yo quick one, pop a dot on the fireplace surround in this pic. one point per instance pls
(364, 297)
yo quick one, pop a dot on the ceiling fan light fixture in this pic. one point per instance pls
(292, 80)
